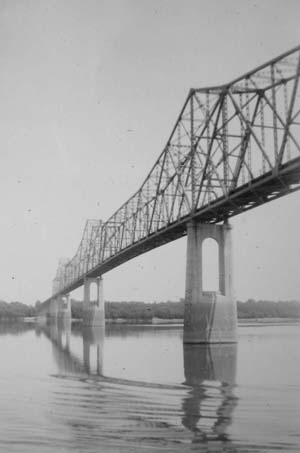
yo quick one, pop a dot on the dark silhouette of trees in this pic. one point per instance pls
(175, 310)
(140, 311)
(15, 310)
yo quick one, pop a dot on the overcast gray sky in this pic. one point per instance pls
(89, 92)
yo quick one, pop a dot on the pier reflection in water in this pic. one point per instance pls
(210, 371)
(207, 399)
(68, 362)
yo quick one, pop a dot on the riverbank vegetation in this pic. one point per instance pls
(15, 310)
(174, 310)
(164, 310)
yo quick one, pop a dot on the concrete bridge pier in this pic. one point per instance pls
(53, 309)
(93, 310)
(64, 307)
(209, 316)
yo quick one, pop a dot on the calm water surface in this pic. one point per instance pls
(136, 388)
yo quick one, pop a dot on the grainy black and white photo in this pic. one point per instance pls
(149, 227)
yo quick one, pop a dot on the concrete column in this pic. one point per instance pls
(203, 362)
(64, 307)
(53, 309)
(209, 316)
(93, 311)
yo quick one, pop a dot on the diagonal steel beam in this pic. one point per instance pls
(250, 127)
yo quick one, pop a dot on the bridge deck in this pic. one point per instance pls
(257, 192)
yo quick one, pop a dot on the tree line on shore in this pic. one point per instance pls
(165, 310)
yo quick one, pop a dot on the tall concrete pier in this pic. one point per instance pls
(210, 316)
(60, 308)
(53, 309)
(93, 310)
(64, 307)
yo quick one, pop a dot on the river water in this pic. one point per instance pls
(136, 388)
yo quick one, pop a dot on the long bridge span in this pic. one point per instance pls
(233, 147)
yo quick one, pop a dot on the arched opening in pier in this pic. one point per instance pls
(65, 302)
(93, 292)
(210, 265)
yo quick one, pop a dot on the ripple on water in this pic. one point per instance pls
(138, 389)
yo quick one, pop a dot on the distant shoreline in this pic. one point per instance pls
(160, 312)
(157, 321)
(179, 321)
(161, 321)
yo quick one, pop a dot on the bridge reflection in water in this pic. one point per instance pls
(59, 333)
(207, 404)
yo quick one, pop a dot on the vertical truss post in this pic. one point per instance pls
(262, 130)
(148, 205)
(275, 135)
(242, 131)
(288, 143)
(178, 146)
(167, 170)
(103, 243)
(207, 121)
(248, 122)
(193, 163)
(225, 141)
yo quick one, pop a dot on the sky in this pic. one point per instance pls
(89, 93)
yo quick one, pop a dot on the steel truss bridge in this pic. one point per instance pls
(232, 148)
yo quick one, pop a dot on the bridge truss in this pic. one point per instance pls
(233, 147)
